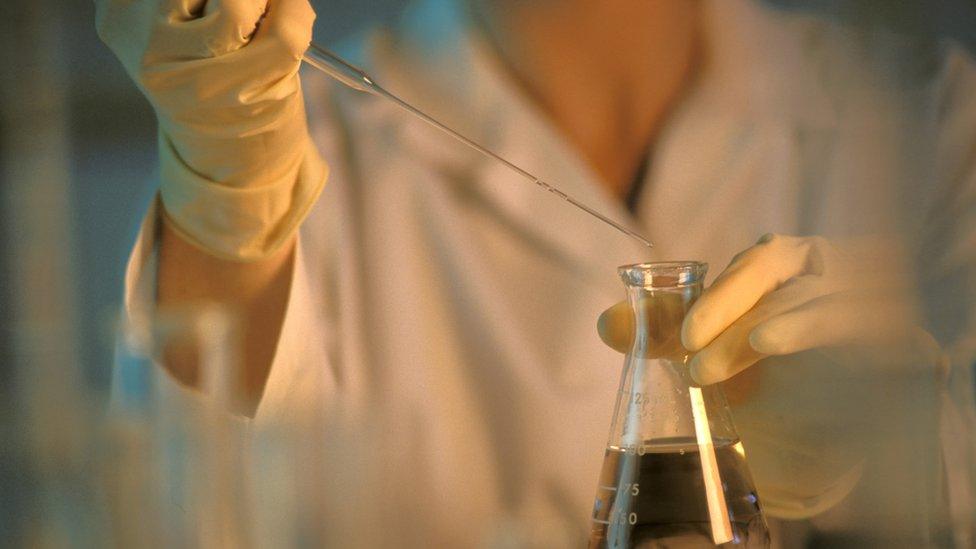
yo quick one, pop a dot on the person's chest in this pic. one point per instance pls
(464, 300)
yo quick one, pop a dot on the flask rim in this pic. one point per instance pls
(663, 274)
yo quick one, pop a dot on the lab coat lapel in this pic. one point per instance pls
(734, 160)
(436, 63)
(453, 76)
(530, 141)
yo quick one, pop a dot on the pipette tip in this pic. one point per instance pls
(643, 240)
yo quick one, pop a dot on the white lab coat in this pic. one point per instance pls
(444, 311)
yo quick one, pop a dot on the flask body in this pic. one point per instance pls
(674, 471)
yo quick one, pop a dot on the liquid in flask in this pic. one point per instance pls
(674, 472)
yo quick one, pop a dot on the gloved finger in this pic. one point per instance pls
(659, 316)
(616, 327)
(223, 26)
(753, 274)
(147, 33)
(173, 11)
(731, 352)
(232, 89)
(836, 319)
(288, 24)
(260, 71)
(726, 356)
(183, 10)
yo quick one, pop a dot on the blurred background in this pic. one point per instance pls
(77, 171)
(78, 168)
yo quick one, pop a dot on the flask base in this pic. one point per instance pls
(656, 495)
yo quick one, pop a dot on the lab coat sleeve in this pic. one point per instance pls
(139, 385)
(194, 444)
(301, 380)
(299, 371)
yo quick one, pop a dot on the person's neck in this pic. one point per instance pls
(607, 73)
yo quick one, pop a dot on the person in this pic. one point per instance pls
(424, 288)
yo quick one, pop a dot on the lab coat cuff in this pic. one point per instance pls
(154, 388)
(299, 379)
(301, 382)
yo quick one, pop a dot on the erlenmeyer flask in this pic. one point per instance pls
(674, 474)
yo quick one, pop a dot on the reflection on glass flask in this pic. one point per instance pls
(674, 474)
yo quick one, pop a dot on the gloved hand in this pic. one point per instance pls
(838, 362)
(791, 294)
(239, 171)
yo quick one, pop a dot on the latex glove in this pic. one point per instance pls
(819, 349)
(845, 396)
(791, 294)
(238, 169)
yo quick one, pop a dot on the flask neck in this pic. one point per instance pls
(660, 295)
(658, 315)
(658, 403)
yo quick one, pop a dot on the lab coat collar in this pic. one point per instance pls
(765, 62)
(756, 67)
(435, 61)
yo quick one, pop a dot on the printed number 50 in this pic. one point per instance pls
(629, 518)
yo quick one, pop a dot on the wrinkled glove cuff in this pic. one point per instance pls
(239, 223)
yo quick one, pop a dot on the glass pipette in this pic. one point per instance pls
(357, 79)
